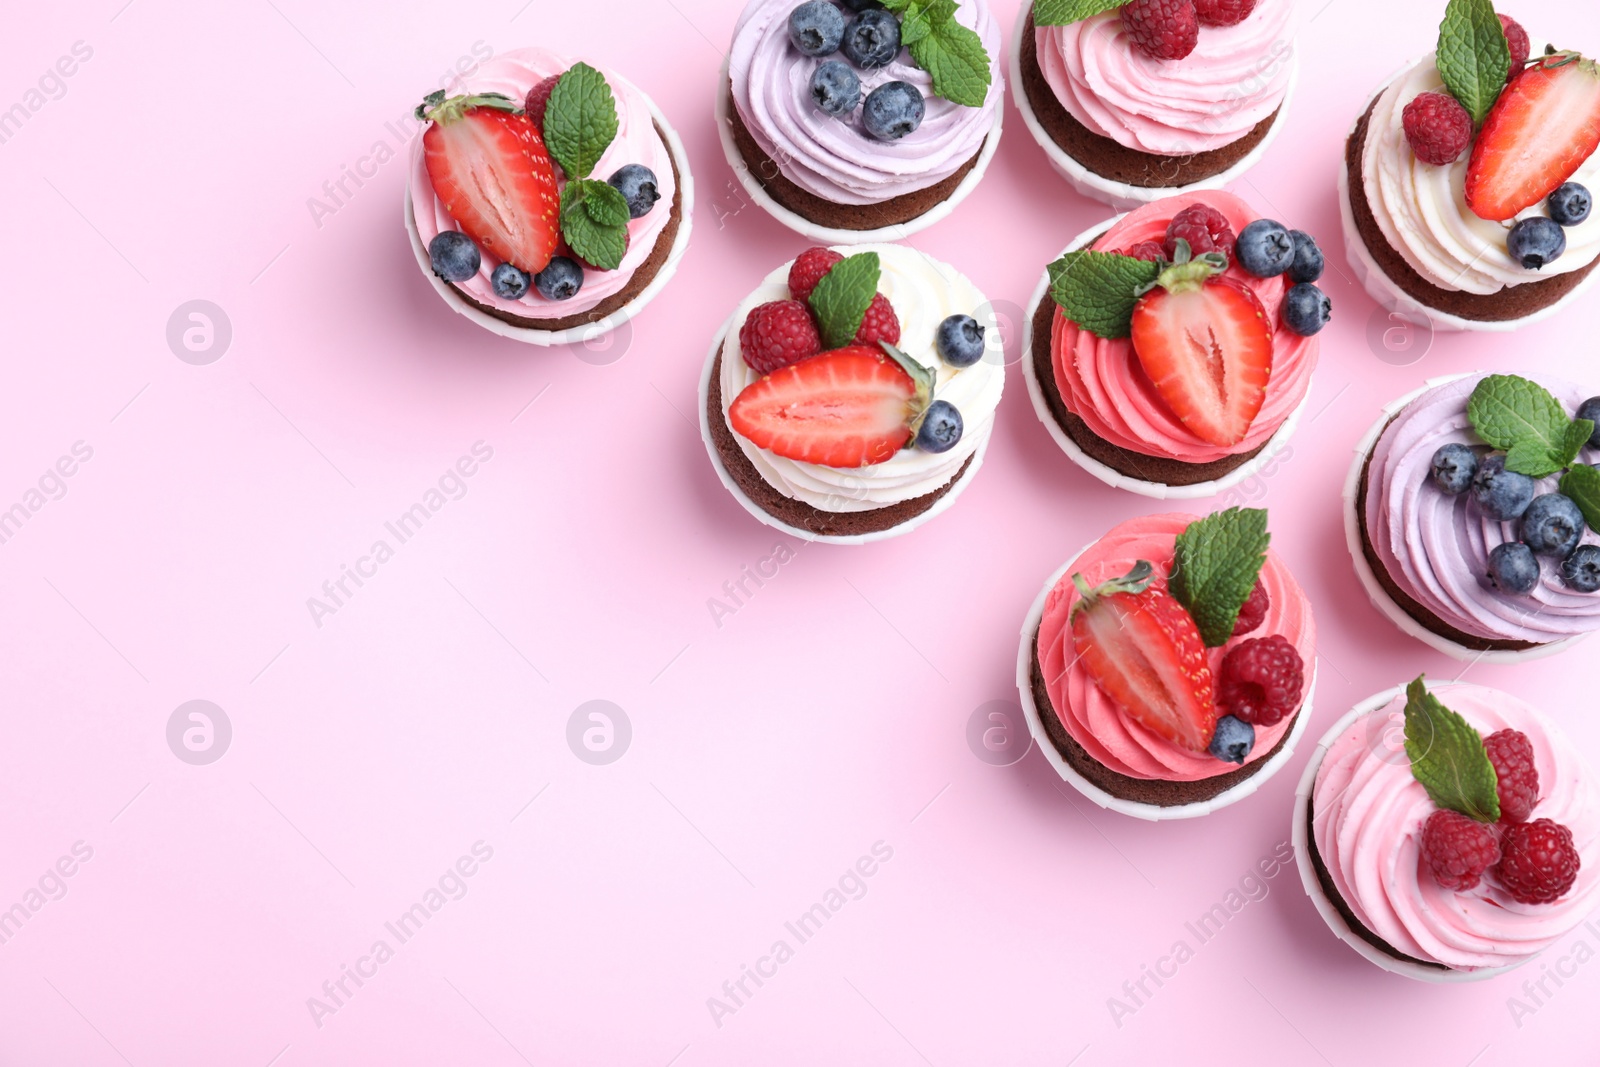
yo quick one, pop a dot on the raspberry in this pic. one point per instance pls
(1149, 251)
(1261, 681)
(1438, 128)
(1517, 38)
(1162, 29)
(808, 269)
(1457, 849)
(538, 100)
(778, 334)
(1254, 612)
(1223, 12)
(1537, 861)
(1204, 227)
(1512, 755)
(879, 323)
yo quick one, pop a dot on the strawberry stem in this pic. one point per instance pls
(1134, 582)
(1187, 271)
(436, 108)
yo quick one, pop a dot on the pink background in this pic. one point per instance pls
(768, 754)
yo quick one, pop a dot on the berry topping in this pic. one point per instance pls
(1552, 525)
(1149, 251)
(872, 40)
(835, 88)
(941, 427)
(1581, 570)
(1453, 467)
(1261, 680)
(1306, 309)
(1538, 862)
(1570, 204)
(1233, 740)
(1265, 248)
(538, 99)
(808, 268)
(1254, 611)
(959, 340)
(1540, 130)
(638, 186)
(1162, 29)
(1517, 778)
(1517, 38)
(851, 407)
(816, 28)
(561, 280)
(1141, 648)
(453, 256)
(1204, 227)
(1513, 568)
(1438, 128)
(1308, 261)
(1590, 409)
(878, 324)
(509, 283)
(1457, 849)
(1223, 12)
(1536, 241)
(778, 334)
(1502, 494)
(892, 110)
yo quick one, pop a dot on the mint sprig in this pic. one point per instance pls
(1474, 58)
(580, 120)
(1448, 758)
(842, 297)
(1216, 563)
(1066, 12)
(952, 54)
(1097, 290)
(594, 220)
(1582, 485)
(1523, 419)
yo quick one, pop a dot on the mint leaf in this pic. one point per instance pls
(1582, 484)
(1066, 12)
(580, 120)
(953, 56)
(1097, 290)
(920, 16)
(592, 224)
(842, 296)
(1215, 566)
(1474, 59)
(1521, 417)
(898, 5)
(1448, 757)
(1578, 433)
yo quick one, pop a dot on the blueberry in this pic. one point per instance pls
(1552, 525)
(1590, 409)
(453, 255)
(892, 110)
(1265, 248)
(509, 282)
(1308, 261)
(561, 280)
(1513, 569)
(638, 186)
(1453, 468)
(816, 27)
(1306, 309)
(1233, 740)
(1570, 204)
(1502, 494)
(872, 40)
(1581, 570)
(959, 340)
(1536, 241)
(941, 427)
(835, 89)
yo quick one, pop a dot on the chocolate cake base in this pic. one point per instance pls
(1114, 161)
(1512, 302)
(813, 208)
(798, 513)
(1158, 469)
(1408, 604)
(1139, 790)
(636, 285)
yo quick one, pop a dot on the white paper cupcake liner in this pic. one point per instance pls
(1110, 475)
(1301, 840)
(1149, 812)
(1120, 195)
(588, 332)
(829, 235)
(1369, 581)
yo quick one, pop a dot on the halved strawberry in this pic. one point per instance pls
(490, 170)
(1537, 135)
(851, 407)
(1145, 653)
(1205, 343)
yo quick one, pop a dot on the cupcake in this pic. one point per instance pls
(1472, 521)
(861, 122)
(548, 201)
(1133, 102)
(1485, 231)
(1167, 669)
(1448, 832)
(851, 396)
(1115, 375)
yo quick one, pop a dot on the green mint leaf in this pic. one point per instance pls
(1533, 458)
(954, 57)
(1578, 433)
(1215, 566)
(898, 5)
(842, 296)
(1582, 484)
(1474, 59)
(1448, 757)
(1507, 411)
(585, 205)
(1066, 12)
(1097, 290)
(918, 20)
(580, 120)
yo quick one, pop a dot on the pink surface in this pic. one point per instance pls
(774, 741)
